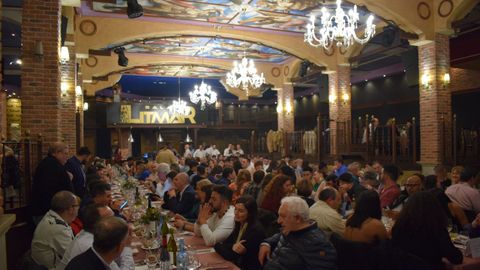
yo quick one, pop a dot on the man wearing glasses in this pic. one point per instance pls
(54, 234)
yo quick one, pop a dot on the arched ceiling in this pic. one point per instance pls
(279, 15)
(218, 48)
(189, 71)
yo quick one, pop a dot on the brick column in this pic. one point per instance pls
(68, 102)
(339, 109)
(435, 103)
(285, 112)
(3, 94)
(41, 98)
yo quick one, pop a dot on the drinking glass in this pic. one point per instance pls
(151, 260)
(193, 262)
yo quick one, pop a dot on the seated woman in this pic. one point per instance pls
(242, 246)
(421, 229)
(365, 225)
(243, 179)
(203, 190)
(279, 187)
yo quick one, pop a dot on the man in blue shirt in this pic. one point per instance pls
(340, 168)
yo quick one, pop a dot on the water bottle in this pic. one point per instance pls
(182, 257)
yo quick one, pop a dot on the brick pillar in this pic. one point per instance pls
(339, 109)
(285, 112)
(435, 103)
(3, 94)
(68, 102)
(41, 98)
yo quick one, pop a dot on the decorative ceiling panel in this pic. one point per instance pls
(281, 15)
(178, 71)
(218, 48)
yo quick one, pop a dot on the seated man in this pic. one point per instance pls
(53, 234)
(465, 194)
(300, 245)
(216, 220)
(324, 212)
(110, 236)
(84, 240)
(181, 199)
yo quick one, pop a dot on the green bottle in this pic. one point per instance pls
(165, 230)
(172, 248)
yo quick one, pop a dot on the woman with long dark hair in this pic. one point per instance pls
(365, 224)
(242, 246)
(279, 187)
(421, 229)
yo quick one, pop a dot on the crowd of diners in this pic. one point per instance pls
(256, 212)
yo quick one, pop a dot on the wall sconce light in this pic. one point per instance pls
(85, 106)
(446, 79)
(78, 91)
(38, 48)
(288, 108)
(426, 81)
(332, 98)
(64, 55)
(279, 108)
(64, 88)
(345, 98)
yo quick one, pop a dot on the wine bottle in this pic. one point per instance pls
(164, 258)
(138, 200)
(182, 257)
(172, 248)
(165, 230)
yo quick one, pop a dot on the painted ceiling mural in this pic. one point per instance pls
(281, 15)
(206, 47)
(178, 71)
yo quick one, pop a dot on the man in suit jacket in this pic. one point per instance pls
(181, 199)
(50, 177)
(110, 236)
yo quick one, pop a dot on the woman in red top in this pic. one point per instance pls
(279, 187)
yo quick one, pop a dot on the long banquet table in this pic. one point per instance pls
(207, 257)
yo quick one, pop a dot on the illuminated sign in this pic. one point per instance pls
(153, 114)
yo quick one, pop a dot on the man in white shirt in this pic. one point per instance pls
(212, 151)
(239, 151)
(216, 219)
(188, 153)
(200, 152)
(84, 240)
(228, 152)
(324, 212)
(53, 234)
(464, 192)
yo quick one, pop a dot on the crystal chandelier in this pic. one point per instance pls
(245, 75)
(179, 106)
(203, 94)
(339, 29)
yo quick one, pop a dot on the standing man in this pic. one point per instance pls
(228, 152)
(239, 151)
(187, 153)
(74, 166)
(53, 234)
(50, 177)
(200, 152)
(166, 155)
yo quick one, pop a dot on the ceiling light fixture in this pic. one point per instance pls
(188, 139)
(244, 75)
(179, 106)
(130, 137)
(203, 94)
(122, 59)
(134, 9)
(159, 139)
(339, 29)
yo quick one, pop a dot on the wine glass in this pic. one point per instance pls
(193, 262)
(151, 259)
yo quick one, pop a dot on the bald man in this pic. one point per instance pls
(181, 199)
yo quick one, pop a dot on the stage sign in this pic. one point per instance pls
(143, 113)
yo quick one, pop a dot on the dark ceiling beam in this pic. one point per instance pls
(104, 52)
(473, 19)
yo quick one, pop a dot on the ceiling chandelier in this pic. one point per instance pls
(339, 29)
(244, 75)
(203, 94)
(179, 106)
